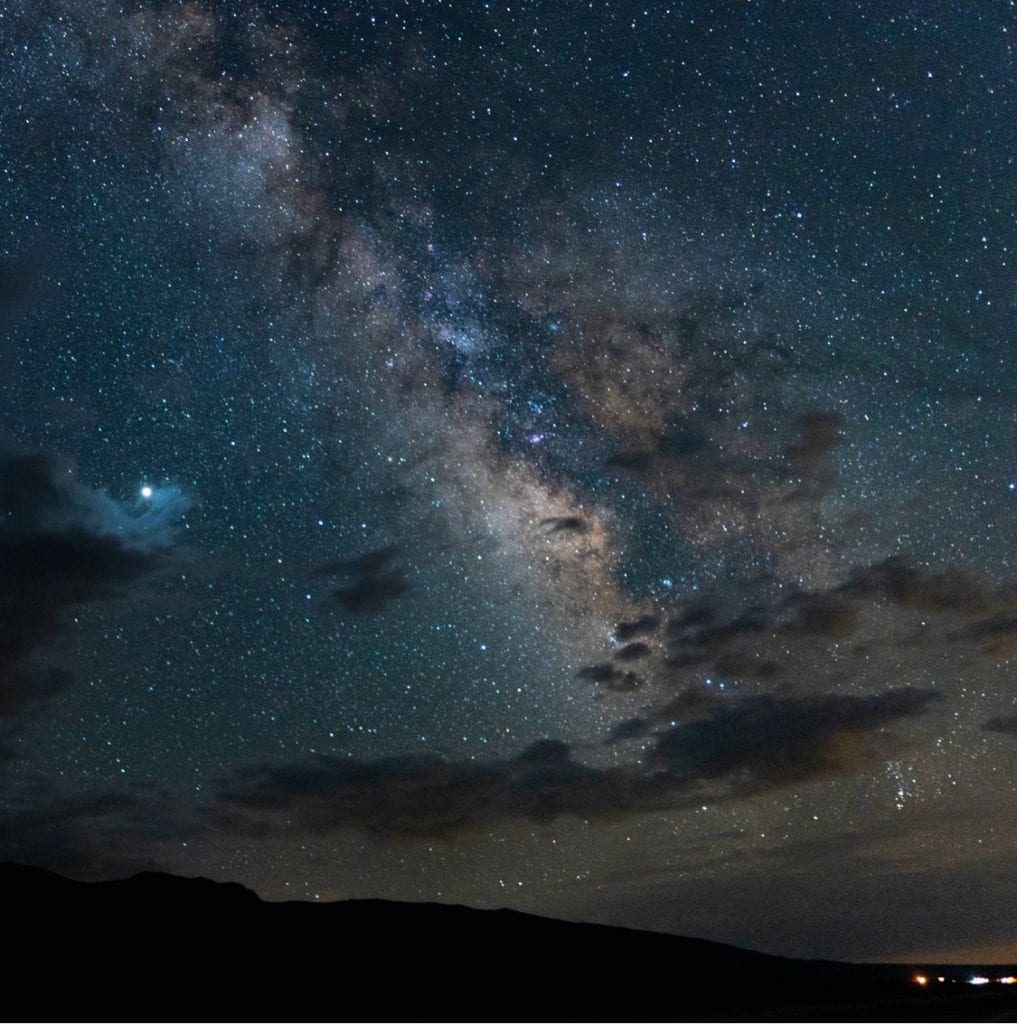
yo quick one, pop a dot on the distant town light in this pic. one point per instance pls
(920, 979)
(1008, 979)
(978, 980)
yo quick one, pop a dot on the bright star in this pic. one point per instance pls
(146, 491)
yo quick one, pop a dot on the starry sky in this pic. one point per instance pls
(557, 456)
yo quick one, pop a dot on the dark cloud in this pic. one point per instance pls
(996, 634)
(810, 641)
(630, 728)
(375, 581)
(371, 594)
(369, 564)
(752, 641)
(692, 615)
(626, 631)
(631, 461)
(819, 435)
(60, 832)
(598, 673)
(692, 702)
(102, 833)
(63, 545)
(811, 452)
(748, 666)
(633, 652)
(743, 745)
(694, 637)
(565, 524)
(895, 580)
(822, 614)
(426, 795)
(610, 677)
(1006, 724)
(682, 440)
(764, 740)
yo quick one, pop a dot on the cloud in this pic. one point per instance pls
(610, 677)
(763, 740)
(747, 665)
(41, 497)
(636, 461)
(821, 614)
(626, 631)
(1005, 724)
(819, 434)
(630, 728)
(633, 652)
(997, 634)
(373, 593)
(737, 748)
(422, 795)
(63, 544)
(884, 606)
(895, 580)
(695, 636)
(102, 833)
(375, 582)
(363, 565)
(565, 524)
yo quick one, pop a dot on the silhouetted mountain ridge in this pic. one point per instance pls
(376, 958)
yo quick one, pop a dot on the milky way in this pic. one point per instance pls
(562, 460)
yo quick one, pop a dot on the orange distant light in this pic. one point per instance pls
(1008, 980)
(920, 979)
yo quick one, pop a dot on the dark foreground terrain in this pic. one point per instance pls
(157, 947)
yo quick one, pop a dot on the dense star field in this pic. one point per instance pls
(558, 456)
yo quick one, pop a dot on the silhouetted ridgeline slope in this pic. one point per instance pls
(149, 947)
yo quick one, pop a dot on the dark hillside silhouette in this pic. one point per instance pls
(158, 946)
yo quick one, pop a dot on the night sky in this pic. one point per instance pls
(557, 456)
